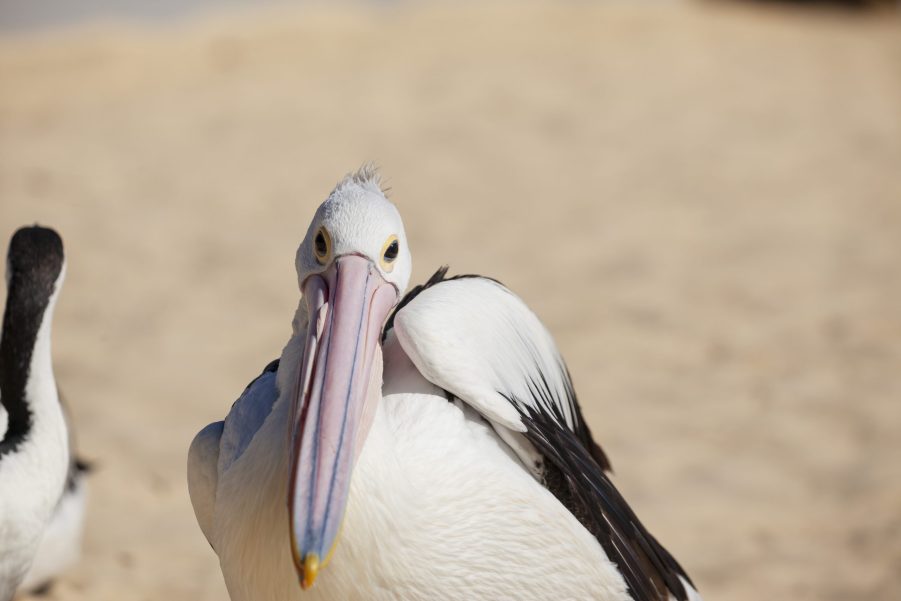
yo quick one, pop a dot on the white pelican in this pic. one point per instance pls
(41, 487)
(474, 475)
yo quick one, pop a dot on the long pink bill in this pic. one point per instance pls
(348, 304)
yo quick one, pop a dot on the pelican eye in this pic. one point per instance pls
(389, 253)
(322, 245)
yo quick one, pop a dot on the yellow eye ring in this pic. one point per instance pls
(322, 246)
(390, 250)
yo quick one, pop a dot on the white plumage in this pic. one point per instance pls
(33, 476)
(457, 490)
(60, 546)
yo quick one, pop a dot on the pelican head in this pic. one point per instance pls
(352, 267)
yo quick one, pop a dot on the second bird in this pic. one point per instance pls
(42, 492)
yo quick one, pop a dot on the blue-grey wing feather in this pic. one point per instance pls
(247, 415)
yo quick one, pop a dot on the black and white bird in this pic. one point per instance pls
(42, 493)
(427, 446)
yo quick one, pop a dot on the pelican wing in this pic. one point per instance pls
(474, 338)
(220, 444)
(247, 415)
(203, 476)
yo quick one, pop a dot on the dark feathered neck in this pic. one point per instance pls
(35, 264)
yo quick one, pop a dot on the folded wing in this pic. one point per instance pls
(216, 447)
(474, 338)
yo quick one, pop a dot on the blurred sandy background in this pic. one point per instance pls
(702, 201)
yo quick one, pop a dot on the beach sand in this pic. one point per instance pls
(702, 202)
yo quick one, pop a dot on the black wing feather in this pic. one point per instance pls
(270, 367)
(576, 477)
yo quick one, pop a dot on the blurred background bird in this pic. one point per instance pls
(42, 490)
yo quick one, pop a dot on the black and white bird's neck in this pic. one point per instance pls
(34, 451)
(35, 270)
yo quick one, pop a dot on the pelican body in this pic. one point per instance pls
(41, 487)
(427, 446)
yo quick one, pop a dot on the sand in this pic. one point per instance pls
(702, 202)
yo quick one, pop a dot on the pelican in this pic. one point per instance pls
(42, 492)
(418, 447)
